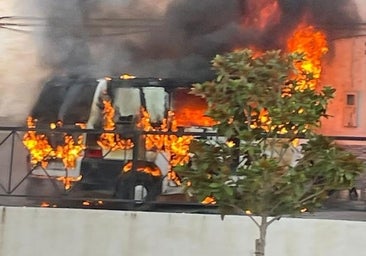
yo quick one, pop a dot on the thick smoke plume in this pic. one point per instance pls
(176, 38)
(20, 70)
(164, 38)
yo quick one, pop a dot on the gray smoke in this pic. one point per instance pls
(160, 38)
(169, 38)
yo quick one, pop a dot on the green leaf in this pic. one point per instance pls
(229, 190)
(215, 185)
(245, 85)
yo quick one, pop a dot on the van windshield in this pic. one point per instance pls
(65, 99)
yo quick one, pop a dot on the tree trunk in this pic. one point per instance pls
(260, 243)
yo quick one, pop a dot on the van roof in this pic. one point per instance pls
(150, 82)
(68, 98)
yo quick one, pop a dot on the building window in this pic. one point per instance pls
(350, 110)
(350, 99)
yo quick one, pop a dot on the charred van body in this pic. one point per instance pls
(108, 163)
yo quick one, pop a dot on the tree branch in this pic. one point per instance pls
(274, 219)
(311, 196)
(252, 218)
(243, 212)
(275, 206)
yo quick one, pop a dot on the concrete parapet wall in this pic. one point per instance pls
(79, 232)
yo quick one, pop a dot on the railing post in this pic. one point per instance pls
(11, 160)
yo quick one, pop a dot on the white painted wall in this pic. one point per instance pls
(75, 232)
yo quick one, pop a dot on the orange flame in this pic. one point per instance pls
(176, 146)
(262, 13)
(38, 146)
(146, 169)
(110, 140)
(190, 112)
(41, 151)
(70, 151)
(313, 44)
(67, 181)
(209, 200)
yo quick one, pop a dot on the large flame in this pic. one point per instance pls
(313, 44)
(176, 146)
(70, 150)
(38, 146)
(41, 151)
(190, 110)
(110, 140)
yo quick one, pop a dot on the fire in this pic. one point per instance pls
(176, 146)
(70, 151)
(313, 44)
(127, 76)
(38, 146)
(67, 181)
(45, 204)
(190, 112)
(209, 200)
(248, 212)
(109, 140)
(262, 13)
(41, 151)
(190, 116)
(147, 169)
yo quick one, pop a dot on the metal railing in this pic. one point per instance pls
(19, 187)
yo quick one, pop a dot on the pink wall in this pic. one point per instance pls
(345, 69)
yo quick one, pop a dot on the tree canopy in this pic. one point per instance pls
(267, 158)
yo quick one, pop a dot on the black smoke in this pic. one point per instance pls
(176, 38)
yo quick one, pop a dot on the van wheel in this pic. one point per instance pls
(140, 186)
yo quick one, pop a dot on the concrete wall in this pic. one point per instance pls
(75, 232)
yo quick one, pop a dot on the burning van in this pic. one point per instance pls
(122, 135)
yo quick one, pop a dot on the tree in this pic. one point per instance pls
(267, 160)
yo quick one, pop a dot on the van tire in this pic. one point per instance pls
(128, 181)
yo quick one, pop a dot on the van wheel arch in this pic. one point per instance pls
(128, 181)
